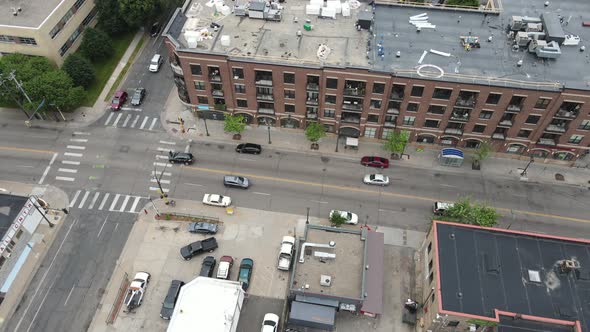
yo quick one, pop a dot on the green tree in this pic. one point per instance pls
(79, 69)
(96, 44)
(110, 19)
(136, 12)
(465, 3)
(234, 124)
(57, 88)
(314, 132)
(336, 219)
(465, 212)
(483, 152)
(25, 69)
(396, 142)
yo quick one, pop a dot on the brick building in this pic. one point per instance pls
(290, 67)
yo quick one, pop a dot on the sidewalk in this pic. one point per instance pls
(422, 156)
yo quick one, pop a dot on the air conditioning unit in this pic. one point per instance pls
(325, 280)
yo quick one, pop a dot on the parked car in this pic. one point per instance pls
(286, 253)
(270, 323)
(245, 273)
(216, 200)
(372, 161)
(207, 267)
(202, 227)
(236, 181)
(136, 290)
(119, 99)
(180, 157)
(170, 299)
(224, 268)
(191, 250)
(138, 96)
(155, 63)
(376, 179)
(155, 29)
(439, 208)
(250, 148)
(351, 218)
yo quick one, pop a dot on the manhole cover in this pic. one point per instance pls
(325, 159)
(559, 177)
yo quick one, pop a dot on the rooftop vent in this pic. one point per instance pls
(568, 265)
(534, 276)
(325, 280)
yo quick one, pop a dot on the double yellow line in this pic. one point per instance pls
(10, 148)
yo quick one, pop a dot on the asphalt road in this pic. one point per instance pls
(107, 171)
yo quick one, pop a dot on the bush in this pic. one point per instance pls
(337, 219)
(475, 214)
(79, 69)
(315, 131)
(96, 44)
(234, 124)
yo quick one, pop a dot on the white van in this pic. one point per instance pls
(155, 63)
(440, 207)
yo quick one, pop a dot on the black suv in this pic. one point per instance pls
(180, 157)
(250, 148)
(191, 250)
(207, 267)
(170, 300)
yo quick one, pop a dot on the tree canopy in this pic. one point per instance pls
(96, 44)
(465, 212)
(234, 124)
(396, 141)
(110, 19)
(137, 12)
(79, 69)
(315, 131)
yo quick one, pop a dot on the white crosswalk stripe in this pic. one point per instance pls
(168, 143)
(64, 178)
(131, 119)
(117, 119)
(161, 181)
(158, 173)
(153, 123)
(114, 202)
(104, 200)
(75, 198)
(67, 170)
(161, 157)
(143, 122)
(106, 123)
(76, 147)
(161, 164)
(70, 162)
(164, 149)
(124, 203)
(118, 202)
(126, 120)
(158, 189)
(82, 133)
(96, 195)
(78, 140)
(135, 121)
(84, 199)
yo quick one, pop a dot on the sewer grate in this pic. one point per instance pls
(559, 177)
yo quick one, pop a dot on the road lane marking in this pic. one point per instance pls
(84, 199)
(143, 122)
(70, 162)
(96, 194)
(47, 168)
(9, 148)
(134, 206)
(24, 166)
(75, 198)
(153, 123)
(79, 140)
(67, 170)
(161, 181)
(125, 201)
(65, 178)
(76, 147)
(104, 200)
(158, 173)
(259, 193)
(194, 184)
(447, 185)
(168, 143)
(72, 154)
(114, 202)
(109, 119)
(102, 226)
(385, 210)
(126, 120)
(117, 119)
(367, 191)
(158, 189)
(135, 121)
(246, 159)
(70, 294)
(319, 202)
(83, 133)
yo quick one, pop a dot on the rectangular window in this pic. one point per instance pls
(570, 106)
(332, 83)
(485, 115)
(523, 133)
(479, 128)
(28, 41)
(240, 88)
(417, 91)
(196, 70)
(431, 123)
(409, 120)
(202, 100)
(440, 93)
(430, 277)
(289, 78)
(437, 109)
(89, 17)
(289, 108)
(397, 91)
(575, 139)
(385, 133)
(78, 3)
(242, 103)
(375, 103)
(329, 113)
(542, 103)
(330, 99)
(413, 107)
(199, 85)
(373, 118)
(290, 94)
(585, 125)
(7, 39)
(378, 88)
(493, 98)
(370, 132)
(238, 73)
(532, 119)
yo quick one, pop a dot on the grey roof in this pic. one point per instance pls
(10, 207)
(373, 303)
(482, 270)
(32, 14)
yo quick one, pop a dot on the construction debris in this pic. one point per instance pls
(440, 53)
(421, 22)
(470, 42)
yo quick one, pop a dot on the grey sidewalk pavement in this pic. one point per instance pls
(422, 156)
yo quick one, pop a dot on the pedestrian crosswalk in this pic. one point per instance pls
(104, 201)
(76, 144)
(131, 119)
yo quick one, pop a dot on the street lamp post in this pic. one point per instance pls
(51, 225)
(307, 218)
(532, 160)
(268, 127)
(205, 121)
(337, 139)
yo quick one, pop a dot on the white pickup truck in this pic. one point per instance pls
(286, 253)
(136, 290)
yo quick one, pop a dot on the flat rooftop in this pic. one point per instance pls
(482, 270)
(10, 207)
(346, 269)
(31, 15)
(495, 63)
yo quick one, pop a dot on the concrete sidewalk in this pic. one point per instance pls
(422, 156)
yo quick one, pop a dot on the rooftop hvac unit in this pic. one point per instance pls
(325, 280)
(550, 51)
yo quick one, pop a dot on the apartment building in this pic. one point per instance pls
(474, 77)
(50, 28)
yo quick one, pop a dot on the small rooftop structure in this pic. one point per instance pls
(29, 14)
(211, 304)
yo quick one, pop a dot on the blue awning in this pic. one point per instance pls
(452, 153)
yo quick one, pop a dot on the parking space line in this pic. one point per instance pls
(104, 200)
(246, 159)
(75, 198)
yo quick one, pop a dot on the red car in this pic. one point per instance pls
(375, 162)
(118, 100)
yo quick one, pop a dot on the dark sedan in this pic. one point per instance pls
(377, 162)
(180, 157)
(170, 300)
(207, 267)
(202, 227)
(250, 148)
(245, 272)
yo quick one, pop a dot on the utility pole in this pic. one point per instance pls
(155, 208)
(523, 173)
(268, 127)
(163, 195)
(205, 121)
(22, 107)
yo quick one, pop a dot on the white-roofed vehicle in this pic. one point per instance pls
(270, 323)
(439, 208)
(136, 290)
(376, 179)
(286, 253)
(217, 200)
(351, 218)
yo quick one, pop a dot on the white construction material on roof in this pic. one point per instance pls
(345, 9)
(329, 12)
(312, 9)
(422, 57)
(571, 40)
(323, 52)
(440, 53)
(416, 17)
(336, 4)
(318, 3)
(208, 304)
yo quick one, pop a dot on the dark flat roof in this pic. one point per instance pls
(10, 206)
(485, 270)
(373, 302)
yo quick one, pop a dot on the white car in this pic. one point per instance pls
(270, 323)
(286, 253)
(216, 200)
(376, 179)
(136, 290)
(351, 218)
